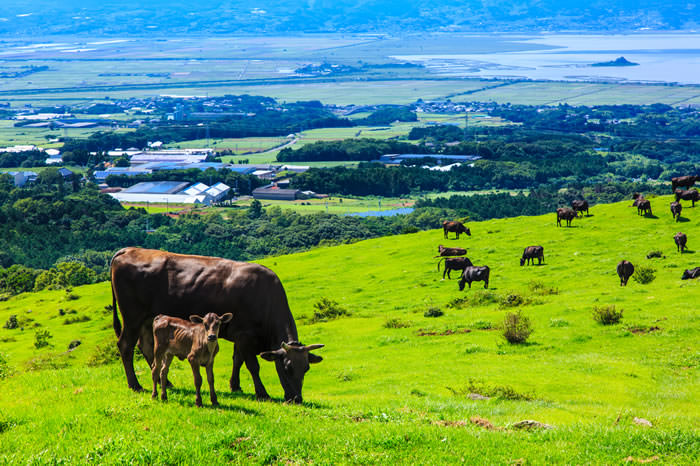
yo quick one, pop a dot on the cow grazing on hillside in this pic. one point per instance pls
(684, 181)
(643, 206)
(475, 274)
(454, 263)
(625, 269)
(680, 239)
(564, 213)
(580, 205)
(531, 253)
(689, 195)
(444, 252)
(147, 282)
(195, 339)
(692, 273)
(676, 209)
(455, 227)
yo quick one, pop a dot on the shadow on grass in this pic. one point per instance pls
(688, 251)
(650, 216)
(682, 220)
(189, 396)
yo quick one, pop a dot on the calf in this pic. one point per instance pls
(680, 239)
(531, 253)
(475, 274)
(688, 195)
(456, 227)
(692, 273)
(676, 209)
(454, 263)
(625, 269)
(566, 214)
(580, 206)
(196, 340)
(443, 251)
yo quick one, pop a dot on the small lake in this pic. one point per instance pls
(383, 213)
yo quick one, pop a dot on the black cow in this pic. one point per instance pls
(680, 239)
(625, 269)
(692, 273)
(454, 263)
(564, 213)
(676, 209)
(455, 227)
(475, 274)
(689, 195)
(531, 253)
(580, 205)
(643, 206)
(147, 282)
(684, 181)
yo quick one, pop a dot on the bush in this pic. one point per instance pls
(480, 387)
(41, 338)
(433, 312)
(326, 309)
(11, 322)
(516, 328)
(653, 254)
(607, 315)
(396, 323)
(539, 288)
(76, 319)
(482, 325)
(644, 275)
(104, 353)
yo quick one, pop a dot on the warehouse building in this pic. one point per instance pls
(175, 192)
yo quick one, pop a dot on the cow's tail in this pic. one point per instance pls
(441, 259)
(115, 316)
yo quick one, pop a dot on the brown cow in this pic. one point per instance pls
(684, 181)
(566, 214)
(681, 239)
(643, 206)
(625, 269)
(689, 195)
(580, 205)
(454, 263)
(531, 253)
(444, 252)
(676, 209)
(456, 227)
(196, 340)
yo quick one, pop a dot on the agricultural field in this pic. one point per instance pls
(336, 205)
(396, 385)
(236, 145)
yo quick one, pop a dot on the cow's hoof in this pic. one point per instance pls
(236, 389)
(198, 403)
(164, 398)
(136, 388)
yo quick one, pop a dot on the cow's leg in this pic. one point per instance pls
(197, 381)
(486, 283)
(164, 376)
(146, 342)
(235, 382)
(155, 373)
(126, 343)
(251, 362)
(210, 381)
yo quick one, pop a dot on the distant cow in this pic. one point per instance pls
(689, 195)
(580, 206)
(455, 227)
(531, 253)
(454, 263)
(643, 206)
(676, 209)
(564, 213)
(625, 269)
(444, 252)
(195, 339)
(684, 181)
(680, 239)
(692, 273)
(475, 274)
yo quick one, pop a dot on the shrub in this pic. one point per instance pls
(325, 309)
(396, 323)
(539, 288)
(476, 298)
(644, 275)
(11, 322)
(607, 315)
(433, 312)
(482, 325)
(76, 319)
(653, 254)
(516, 328)
(480, 387)
(104, 353)
(41, 338)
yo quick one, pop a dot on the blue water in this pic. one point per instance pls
(383, 213)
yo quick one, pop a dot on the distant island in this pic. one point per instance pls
(620, 61)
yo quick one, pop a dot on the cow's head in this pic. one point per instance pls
(466, 230)
(522, 261)
(686, 275)
(292, 361)
(212, 323)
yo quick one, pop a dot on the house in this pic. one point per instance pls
(22, 178)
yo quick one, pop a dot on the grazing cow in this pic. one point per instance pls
(580, 206)
(531, 253)
(456, 227)
(680, 239)
(147, 282)
(444, 252)
(643, 206)
(195, 339)
(689, 195)
(684, 181)
(454, 263)
(566, 214)
(475, 274)
(692, 273)
(676, 209)
(625, 269)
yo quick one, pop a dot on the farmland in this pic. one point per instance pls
(393, 385)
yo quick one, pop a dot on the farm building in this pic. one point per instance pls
(396, 159)
(272, 192)
(22, 178)
(175, 192)
(101, 175)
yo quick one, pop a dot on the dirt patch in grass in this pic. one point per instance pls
(644, 330)
(481, 422)
(431, 333)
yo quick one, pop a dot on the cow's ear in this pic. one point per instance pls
(196, 319)
(314, 358)
(226, 317)
(273, 355)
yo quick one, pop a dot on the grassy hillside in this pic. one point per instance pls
(386, 394)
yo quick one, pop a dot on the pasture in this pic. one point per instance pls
(395, 385)
(336, 205)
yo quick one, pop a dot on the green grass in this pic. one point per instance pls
(388, 395)
(236, 145)
(337, 205)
